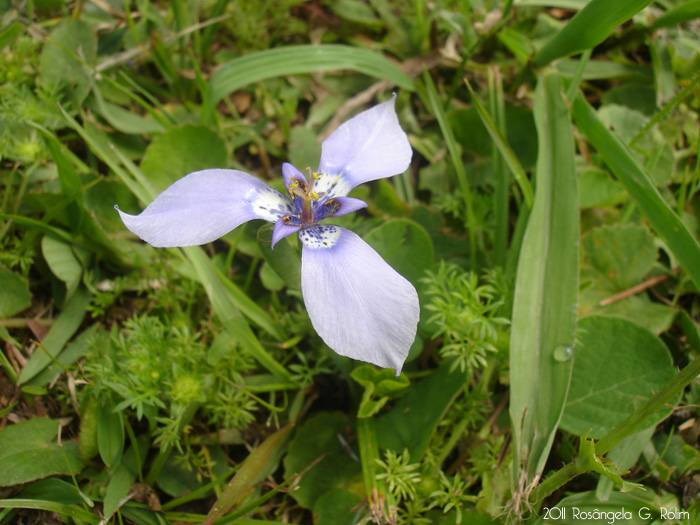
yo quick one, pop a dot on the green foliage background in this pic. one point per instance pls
(549, 221)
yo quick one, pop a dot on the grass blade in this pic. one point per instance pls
(456, 158)
(638, 183)
(508, 155)
(500, 171)
(62, 330)
(666, 110)
(593, 24)
(229, 314)
(256, 462)
(296, 60)
(74, 511)
(680, 14)
(544, 309)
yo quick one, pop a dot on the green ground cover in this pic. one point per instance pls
(549, 221)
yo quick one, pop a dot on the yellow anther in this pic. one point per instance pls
(313, 195)
(315, 175)
(294, 184)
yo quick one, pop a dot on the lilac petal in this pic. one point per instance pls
(369, 146)
(204, 205)
(348, 205)
(357, 303)
(282, 230)
(290, 173)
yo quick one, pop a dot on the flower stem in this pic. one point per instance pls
(669, 391)
(628, 427)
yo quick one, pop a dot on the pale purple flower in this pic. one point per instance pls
(358, 304)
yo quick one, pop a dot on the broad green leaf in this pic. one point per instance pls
(296, 60)
(73, 351)
(356, 11)
(62, 330)
(593, 24)
(640, 97)
(626, 122)
(110, 435)
(544, 309)
(654, 316)
(317, 451)
(180, 151)
(8, 35)
(69, 179)
(405, 246)
(123, 477)
(596, 188)
(270, 278)
(29, 452)
(642, 189)
(15, 295)
(69, 51)
(63, 263)
(617, 366)
(283, 259)
(54, 489)
(338, 507)
(87, 440)
(621, 254)
(618, 257)
(413, 419)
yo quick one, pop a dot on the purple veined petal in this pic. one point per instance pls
(348, 205)
(204, 205)
(290, 173)
(369, 146)
(282, 230)
(359, 305)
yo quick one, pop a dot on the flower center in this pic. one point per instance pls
(298, 189)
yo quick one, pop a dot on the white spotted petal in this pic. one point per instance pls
(360, 306)
(367, 147)
(203, 206)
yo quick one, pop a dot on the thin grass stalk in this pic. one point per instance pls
(629, 426)
(458, 165)
(500, 171)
